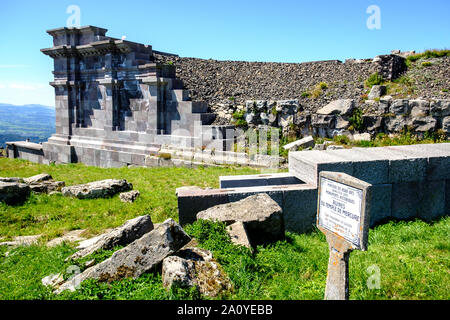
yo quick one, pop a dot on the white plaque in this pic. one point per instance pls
(340, 208)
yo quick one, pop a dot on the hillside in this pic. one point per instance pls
(33, 121)
(412, 255)
(314, 84)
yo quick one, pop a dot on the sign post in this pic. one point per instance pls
(343, 213)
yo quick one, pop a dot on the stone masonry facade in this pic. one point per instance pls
(115, 105)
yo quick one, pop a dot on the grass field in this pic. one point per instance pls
(412, 257)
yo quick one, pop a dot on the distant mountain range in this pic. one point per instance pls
(32, 121)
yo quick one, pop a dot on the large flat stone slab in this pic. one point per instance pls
(261, 216)
(13, 193)
(97, 189)
(376, 165)
(256, 180)
(139, 257)
(128, 232)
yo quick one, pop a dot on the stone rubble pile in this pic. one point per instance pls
(378, 114)
(145, 246)
(15, 190)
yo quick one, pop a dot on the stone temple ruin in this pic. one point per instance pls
(115, 105)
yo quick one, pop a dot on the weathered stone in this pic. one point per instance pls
(395, 124)
(129, 196)
(440, 108)
(372, 124)
(446, 125)
(11, 179)
(262, 217)
(419, 108)
(361, 137)
(97, 189)
(71, 236)
(264, 118)
(306, 142)
(22, 241)
(323, 121)
(285, 120)
(342, 107)
(400, 107)
(177, 272)
(320, 146)
(38, 178)
(47, 186)
(335, 147)
(341, 123)
(238, 234)
(377, 91)
(194, 266)
(13, 193)
(53, 280)
(139, 257)
(423, 124)
(128, 232)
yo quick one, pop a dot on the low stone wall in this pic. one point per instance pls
(26, 150)
(383, 115)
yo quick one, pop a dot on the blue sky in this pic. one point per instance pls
(251, 30)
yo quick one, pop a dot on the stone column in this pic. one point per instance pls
(151, 93)
(112, 103)
(63, 107)
(79, 104)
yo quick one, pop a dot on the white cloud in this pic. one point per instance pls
(26, 86)
(19, 93)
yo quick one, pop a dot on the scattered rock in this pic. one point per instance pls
(13, 193)
(89, 263)
(304, 143)
(446, 125)
(320, 146)
(140, 256)
(71, 236)
(361, 137)
(128, 232)
(129, 196)
(341, 106)
(335, 147)
(97, 189)
(22, 241)
(178, 272)
(261, 216)
(194, 266)
(38, 178)
(11, 179)
(377, 91)
(47, 186)
(53, 280)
